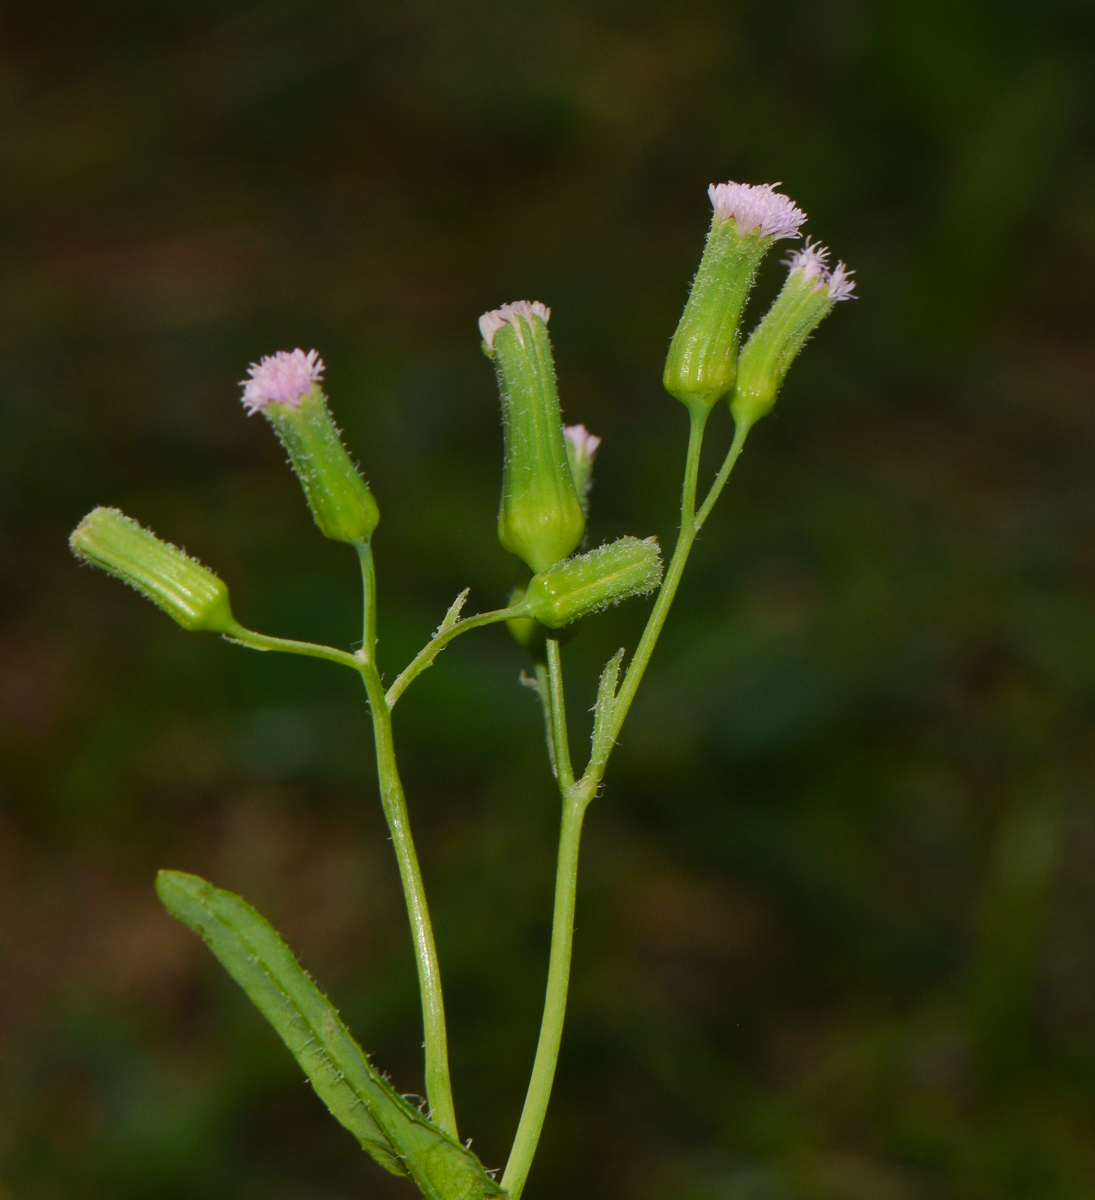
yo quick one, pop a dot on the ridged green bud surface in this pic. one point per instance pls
(188, 592)
(589, 582)
(701, 366)
(808, 296)
(540, 518)
(340, 500)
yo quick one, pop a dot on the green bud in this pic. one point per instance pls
(581, 451)
(285, 388)
(589, 582)
(701, 366)
(806, 299)
(188, 592)
(540, 519)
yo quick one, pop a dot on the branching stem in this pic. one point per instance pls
(577, 795)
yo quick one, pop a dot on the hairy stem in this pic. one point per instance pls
(438, 1082)
(424, 658)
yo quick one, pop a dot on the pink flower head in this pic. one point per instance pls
(756, 206)
(583, 443)
(813, 262)
(281, 378)
(491, 322)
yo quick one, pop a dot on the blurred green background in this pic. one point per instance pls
(836, 929)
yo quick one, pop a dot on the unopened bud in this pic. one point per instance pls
(188, 592)
(807, 297)
(702, 363)
(589, 582)
(284, 387)
(540, 519)
(581, 451)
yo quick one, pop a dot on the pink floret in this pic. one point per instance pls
(813, 262)
(491, 322)
(282, 378)
(756, 206)
(841, 283)
(585, 443)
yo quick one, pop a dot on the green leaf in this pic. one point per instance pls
(390, 1128)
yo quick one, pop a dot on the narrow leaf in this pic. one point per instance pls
(606, 700)
(390, 1128)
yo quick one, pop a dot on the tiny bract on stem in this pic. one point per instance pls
(546, 479)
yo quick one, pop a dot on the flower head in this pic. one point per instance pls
(813, 261)
(281, 378)
(756, 206)
(491, 322)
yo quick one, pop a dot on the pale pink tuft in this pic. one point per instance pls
(813, 262)
(282, 378)
(756, 206)
(841, 283)
(491, 322)
(585, 443)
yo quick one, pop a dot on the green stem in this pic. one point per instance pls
(438, 1082)
(561, 741)
(576, 799)
(741, 432)
(262, 641)
(698, 415)
(543, 690)
(551, 1027)
(424, 658)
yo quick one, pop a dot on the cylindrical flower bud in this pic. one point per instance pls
(589, 582)
(284, 387)
(162, 573)
(581, 451)
(702, 363)
(806, 298)
(541, 518)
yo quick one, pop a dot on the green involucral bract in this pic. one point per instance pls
(162, 573)
(589, 582)
(340, 500)
(802, 304)
(702, 362)
(389, 1127)
(541, 518)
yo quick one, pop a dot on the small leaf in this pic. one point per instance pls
(390, 1128)
(452, 617)
(606, 702)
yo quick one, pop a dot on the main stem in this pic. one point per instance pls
(438, 1083)
(575, 803)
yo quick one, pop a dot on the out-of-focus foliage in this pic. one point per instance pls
(836, 933)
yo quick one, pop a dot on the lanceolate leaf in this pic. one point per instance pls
(390, 1128)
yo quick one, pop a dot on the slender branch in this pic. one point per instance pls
(561, 741)
(424, 658)
(741, 432)
(438, 1082)
(263, 641)
(551, 1027)
(698, 415)
(543, 690)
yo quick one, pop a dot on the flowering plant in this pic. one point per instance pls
(546, 478)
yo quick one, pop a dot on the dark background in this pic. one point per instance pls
(836, 929)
